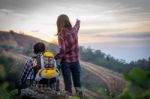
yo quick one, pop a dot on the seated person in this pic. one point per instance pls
(41, 69)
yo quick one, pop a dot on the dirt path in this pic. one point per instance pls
(114, 83)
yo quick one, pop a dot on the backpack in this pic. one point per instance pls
(44, 66)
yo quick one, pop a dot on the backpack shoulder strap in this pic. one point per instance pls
(41, 60)
(35, 62)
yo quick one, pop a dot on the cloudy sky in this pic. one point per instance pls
(120, 28)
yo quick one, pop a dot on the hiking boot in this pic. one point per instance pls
(68, 95)
(79, 93)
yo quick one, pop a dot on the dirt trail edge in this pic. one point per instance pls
(114, 82)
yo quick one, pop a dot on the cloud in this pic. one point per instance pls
(22, 6)
(98, 17)
(131, 35)
(6, 11)
(120, 40)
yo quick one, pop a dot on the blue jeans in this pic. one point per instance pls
(68, 70)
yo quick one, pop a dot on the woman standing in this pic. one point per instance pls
(69, 53)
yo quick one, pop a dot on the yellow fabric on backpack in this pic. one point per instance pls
(47, 73)
(48, 54)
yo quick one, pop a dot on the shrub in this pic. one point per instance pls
(139, 85)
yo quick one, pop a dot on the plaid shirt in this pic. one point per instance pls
(68, 44)
(28, 69)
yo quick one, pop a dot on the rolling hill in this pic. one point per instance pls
(93, 77)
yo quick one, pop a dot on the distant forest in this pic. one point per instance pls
(119, 65)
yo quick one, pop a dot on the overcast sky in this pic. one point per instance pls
(117, 27)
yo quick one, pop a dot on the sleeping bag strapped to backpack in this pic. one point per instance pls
(44, 66)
